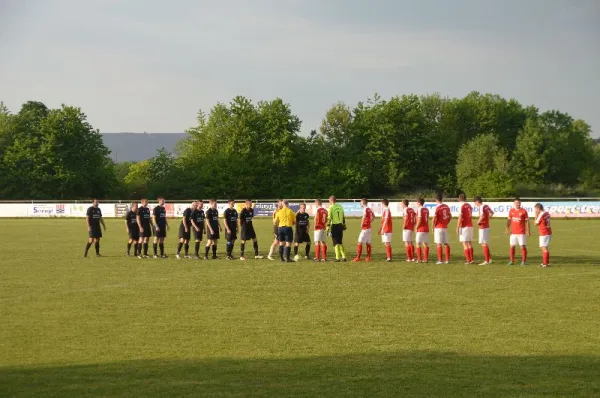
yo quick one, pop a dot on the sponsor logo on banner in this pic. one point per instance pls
(60, 209)
(573, 209)
(41, 210)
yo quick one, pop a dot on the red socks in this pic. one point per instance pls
(472, 257)
(358, 250)
(317, 251)
(419, 257)
(512, 254)
(439, 253)
(524, 254)
(467, 255)
(427, 253)
(486, 253)
(388, 250)
(324, 252)
(546, 258)
(368, 250)
(448, 253)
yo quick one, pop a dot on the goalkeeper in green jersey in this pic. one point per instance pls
(336, 225)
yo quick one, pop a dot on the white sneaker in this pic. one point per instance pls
(258, 257)
(489, 262)
(243, 258)
(485, 263)
(270, 258)
(155, 256)
(177, 256)
(439, 263)
(446, 262)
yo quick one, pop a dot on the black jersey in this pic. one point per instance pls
(95, 214)
(160, 215)
(131, 218)
(144, 214)
(187, 218)
(212, 215)
(246, 216)
(198, 216)
(231, 218)
(302, 220)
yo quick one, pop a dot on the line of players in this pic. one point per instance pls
(140, 224)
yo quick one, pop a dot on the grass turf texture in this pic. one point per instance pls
(117, 326)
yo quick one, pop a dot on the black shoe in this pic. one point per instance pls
(289, 260)
(215, 257)
(98, 255)
(85, 254)
(344, 260)
(337, 261)
(128, 254)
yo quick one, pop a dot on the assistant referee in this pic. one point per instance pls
(336, 224)
(284, 220)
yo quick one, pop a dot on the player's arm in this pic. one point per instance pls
(102, 222)
(507, 225)
(89, 224)
(434, 221)
(127, 224)
(195, 225)
(528, 227)
(139, 222)
(329, 219)
(293, 218)
(154, 223)
(460, 220)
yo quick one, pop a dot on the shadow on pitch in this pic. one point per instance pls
(393, 374)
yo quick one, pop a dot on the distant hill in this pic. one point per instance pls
(139, 146)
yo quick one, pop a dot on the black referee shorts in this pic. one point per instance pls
(337, 233)
(285, 234)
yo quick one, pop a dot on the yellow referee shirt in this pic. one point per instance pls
(285, 217)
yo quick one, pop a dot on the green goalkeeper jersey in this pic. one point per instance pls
(336, 214)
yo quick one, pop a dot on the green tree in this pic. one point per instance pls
(482, 167)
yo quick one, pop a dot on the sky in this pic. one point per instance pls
(149, 66)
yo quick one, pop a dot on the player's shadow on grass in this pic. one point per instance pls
(392, 374)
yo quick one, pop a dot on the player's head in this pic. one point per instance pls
(405, 203)
(231, 203)
(134, 206)
(439, 198)
(285, 203)
(332, 199)
(318, 202)
(462, 197)
(421, 202)
(364, 202)
(248, 204)
(144, 202)
(95, 202)
(385, 203)
(160, 200)
(200, 204)
(279, 203)
(302, 207)
(517, 203)
(539, 207)
(193, 205)
(478, 201)
(213, 203)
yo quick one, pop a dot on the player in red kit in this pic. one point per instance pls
(410, 219)
(441, 219)
(365, 231)
(485, 213)
(319, 231)
(518, 225)
(542, 220)
(386, 229)
(464, 228)
(422, 231)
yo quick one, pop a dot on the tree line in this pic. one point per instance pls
(407, 145)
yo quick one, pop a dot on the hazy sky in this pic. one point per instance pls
(136, 65)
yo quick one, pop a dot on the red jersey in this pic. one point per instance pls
(410, 218)
(543, 223)
(386, 221)
(518, 220)
(466, 211)
(368, 217)
(442, 216)
(486, 214)
(320, 219)
(423, 215)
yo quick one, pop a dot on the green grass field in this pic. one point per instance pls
(117, 326)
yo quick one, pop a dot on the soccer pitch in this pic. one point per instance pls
(118, 326)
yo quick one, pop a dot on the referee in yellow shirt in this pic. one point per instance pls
(285, 219)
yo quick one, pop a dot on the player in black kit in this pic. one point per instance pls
(185, 230)
(94, 219)
(198, 218)
(145, 224)
(247, 230)
(213, 229)
(161, 225)
(230, 221)
(302, 230)
(133, 230)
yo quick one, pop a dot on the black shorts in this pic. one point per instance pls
(337, 233)
(285, 234)
(134, 233)
(248, 234)
(229, 236)
(162, 233)
(96, 232)
(147, 231)
(216, 235)
(184, 235)
(198, 234)
(302, 236)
